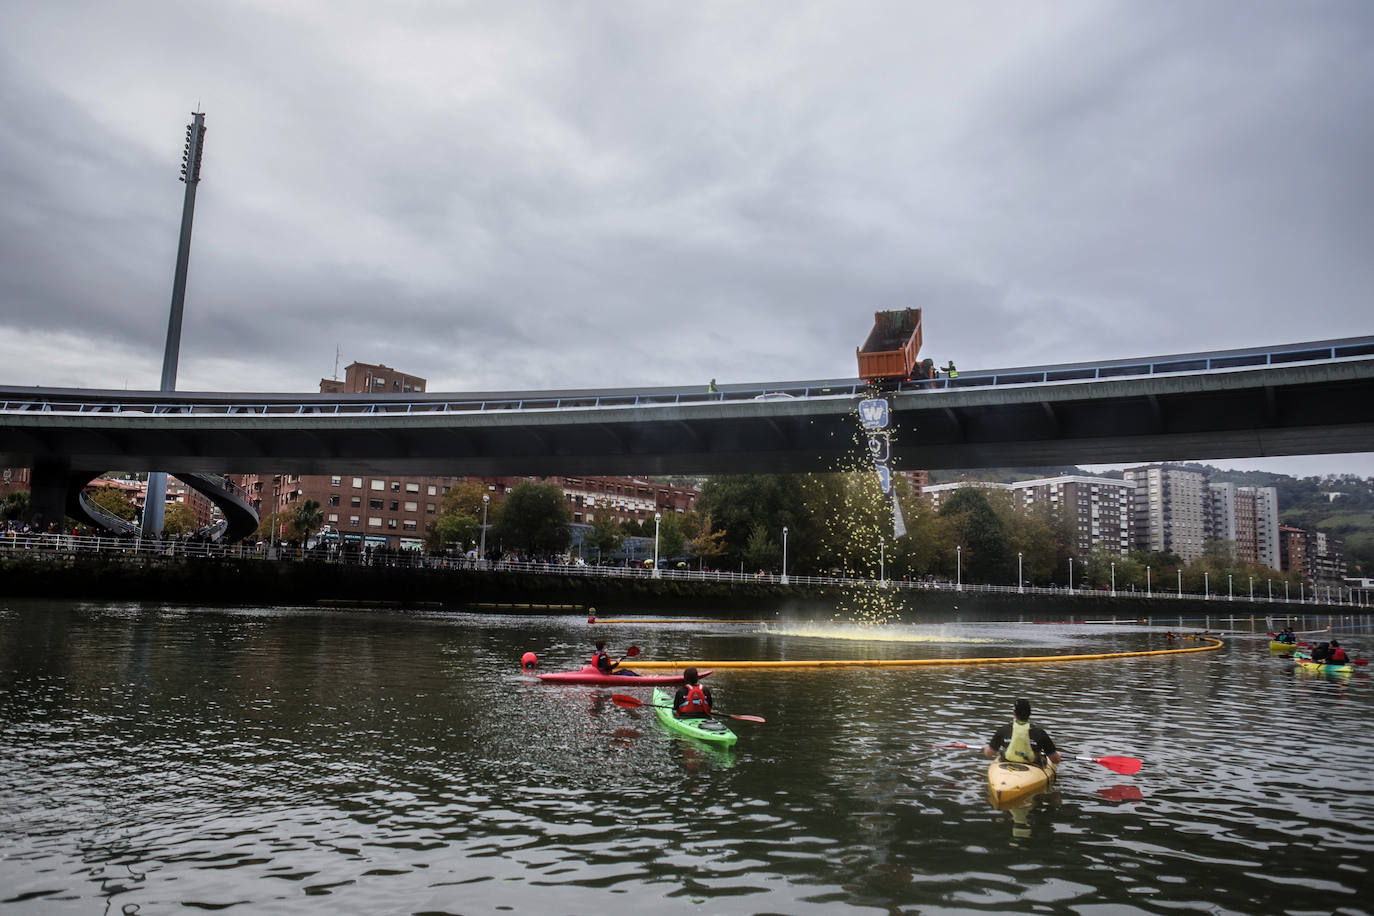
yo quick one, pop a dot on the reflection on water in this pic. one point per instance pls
(288, 760)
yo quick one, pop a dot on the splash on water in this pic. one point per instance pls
(871, 632)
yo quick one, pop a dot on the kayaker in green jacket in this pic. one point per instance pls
(1021, 741)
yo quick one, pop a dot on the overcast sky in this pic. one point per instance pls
(580, 194)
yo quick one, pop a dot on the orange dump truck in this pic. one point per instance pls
(891, 350)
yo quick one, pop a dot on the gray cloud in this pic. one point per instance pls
(567, 195)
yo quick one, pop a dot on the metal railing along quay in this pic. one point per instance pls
(15, 544)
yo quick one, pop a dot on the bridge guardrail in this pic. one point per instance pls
(156, 403)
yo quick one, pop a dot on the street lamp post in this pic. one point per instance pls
(1252, 588)
(784, 554)
(882, 563)
(1020, 581)
(482, 550)
(1180, 581)
(959, 567)
(1070, 573)
(1113, 578)
(1149, 592)
(1230, 596)
(1206, 586)
(658, 517)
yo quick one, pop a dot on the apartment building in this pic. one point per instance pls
(1325, 559)
(1248, 518)
(1293, 551)
(366, 378)
(1172, 510)
(1101, 509)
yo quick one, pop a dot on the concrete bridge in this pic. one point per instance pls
(1291, 399)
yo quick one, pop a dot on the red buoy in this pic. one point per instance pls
(529, 661)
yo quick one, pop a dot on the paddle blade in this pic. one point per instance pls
(621, 699)
(956, 744)
(759, 719)
(632, 651)
(1121, 793)
(1362, 662)
(1126, 766)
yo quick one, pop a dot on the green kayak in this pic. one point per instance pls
(712, 731)
(1306, 664)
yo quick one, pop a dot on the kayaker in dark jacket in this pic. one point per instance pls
(1319, 652)
(1019, 741)
(692, 701)
(603, 663)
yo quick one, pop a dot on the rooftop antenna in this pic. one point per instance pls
(336, 362)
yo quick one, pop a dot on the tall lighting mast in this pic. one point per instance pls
(155, 503)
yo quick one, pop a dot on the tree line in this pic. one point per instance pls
(840, 524)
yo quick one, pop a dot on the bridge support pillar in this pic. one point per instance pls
(48, 492)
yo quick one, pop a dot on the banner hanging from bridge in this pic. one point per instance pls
(875, 415)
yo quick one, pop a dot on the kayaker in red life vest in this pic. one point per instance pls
(603, 663)
(1019, 741)
(1337, 655)
(692, 701)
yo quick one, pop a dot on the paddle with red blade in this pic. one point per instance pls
(621, 699)
(1123, 765)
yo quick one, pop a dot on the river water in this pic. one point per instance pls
(281, 760)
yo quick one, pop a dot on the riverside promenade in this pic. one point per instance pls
(56, 565)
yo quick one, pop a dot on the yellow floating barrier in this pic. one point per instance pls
(917, 662)
(677, 620)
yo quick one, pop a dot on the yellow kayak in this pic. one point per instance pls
(1009, 781)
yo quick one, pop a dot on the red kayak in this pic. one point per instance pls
(590, 675)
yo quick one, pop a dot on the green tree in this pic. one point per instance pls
(453, 530)
(606, 535)
(703, 541)
(761, 551)
(739, 503)
(464, 499)
(113, 500)
(671, 540)
(305, 520)
(981, 533)
(16, 505)
(534, 519)
(270, 527)
(178, 519)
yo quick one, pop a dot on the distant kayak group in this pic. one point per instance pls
(1321, 657)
